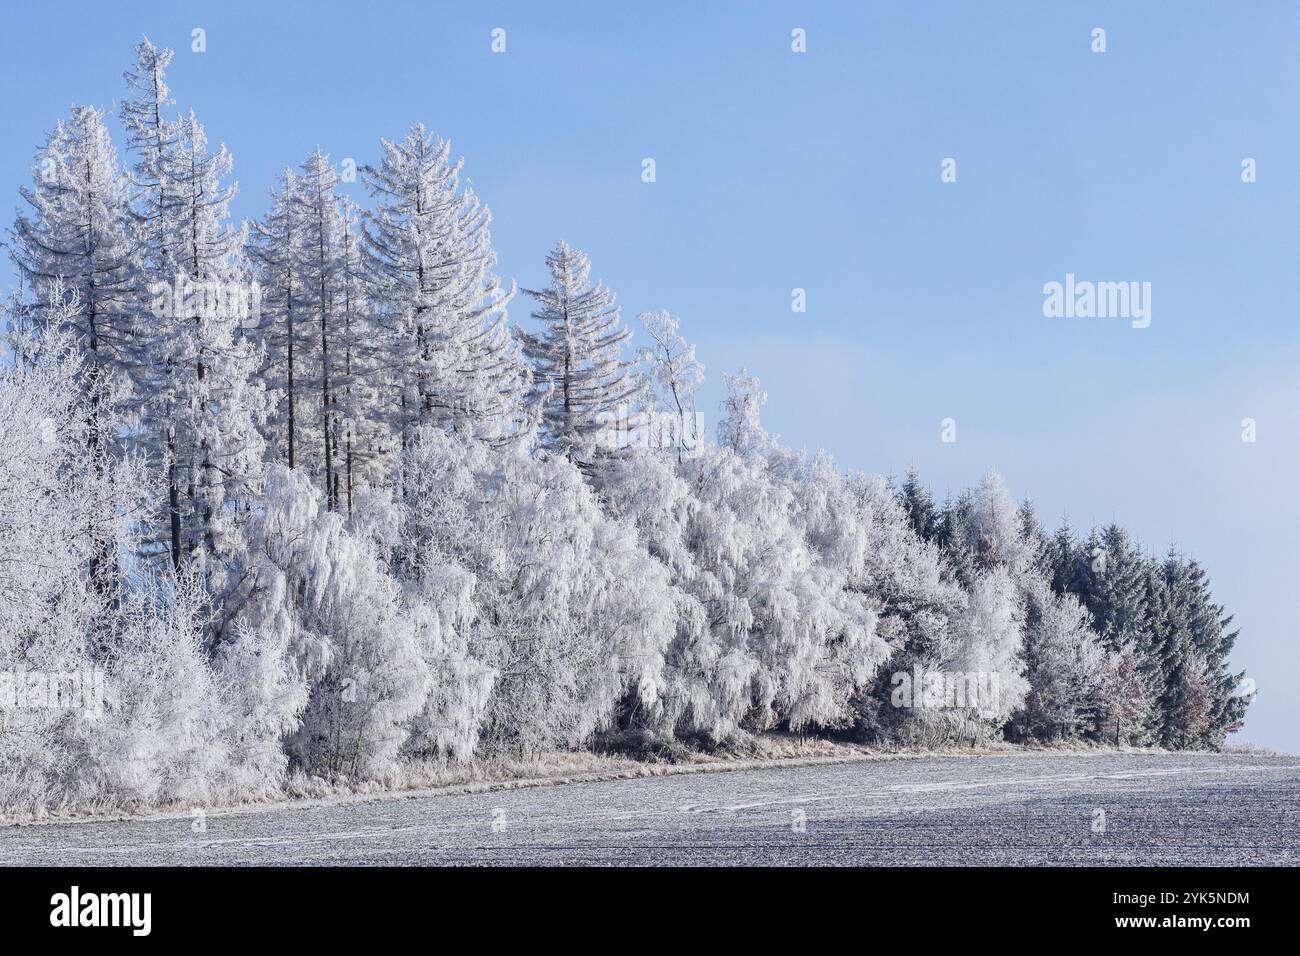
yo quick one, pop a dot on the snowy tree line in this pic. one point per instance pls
(312, 506)
(1117, 645)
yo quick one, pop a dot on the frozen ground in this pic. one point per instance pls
(1013, 809)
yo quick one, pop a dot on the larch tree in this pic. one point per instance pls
(428, 254)
(362, 380)
(76, 246)
(310, 317)
(590, 396)
(151, 137)
(323, 283)
(205, 400)
(78, 236)
(198, 402)
(282, 329)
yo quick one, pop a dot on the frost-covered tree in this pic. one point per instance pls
(919, 505)
(1065, 664)
(141, 722)
(198, 403)
(989, 641)
(283, 328)
(741, 428)
(586, 390)
(313, 327)
(165, 736)
(1195, 714)
(75, 247)
(1113, 586)
(1189, 640)
(77, 239)
(994, 529)
(429, 260)
(919, 606)
(333, 665)
(352, 646)
(361, 378)
(323, 282)
(770, 630)
(954, 535)
(152, 136)
(1125, 700)
(208, 392)
(569, 613)
(675, 374)
(1037, 548)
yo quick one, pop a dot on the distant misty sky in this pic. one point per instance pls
(821, 171)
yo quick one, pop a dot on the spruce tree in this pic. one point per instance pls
(1211, 639)
(919, 506)
(953, 534)
(1037, 546)
(1112, 584)
(1065, 562)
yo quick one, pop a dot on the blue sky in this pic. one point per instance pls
(820, 170)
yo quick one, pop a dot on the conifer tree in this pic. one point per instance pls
(919, 506)
(1065, 561)
(75, 250)
(954, 533)
(311, 327)
(77, 242)
(198, 403)
(362, 376)
(151, 137)
(429, 259)
(587, 391)
(282, 329)
(202, 403)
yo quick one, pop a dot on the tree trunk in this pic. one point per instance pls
(331, 489)
(292, 398)
(174, 499)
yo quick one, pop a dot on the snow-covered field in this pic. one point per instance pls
(1023, 808)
